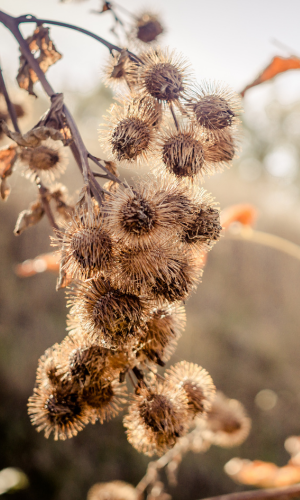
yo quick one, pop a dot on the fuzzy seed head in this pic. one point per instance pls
(104, 399)
(47, 160)
(157, 417)
(222, 149)
(148, 28)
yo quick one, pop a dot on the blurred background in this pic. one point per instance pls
(243, 321)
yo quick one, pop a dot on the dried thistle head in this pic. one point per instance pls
(214, 107)
(108, 313)
(227, 423)
(221, 150)
(130, 130)
(47, 160)
(140, 216)
(157, 417)
(182, 151)
(115, 490)
(85, 245)
(116, 71)
(60, 411)
(48, 370)
(203, 229)
(163, 329)
(82, 357)
(148, 27)
(197, 384)
(104, 398)
(163, 74)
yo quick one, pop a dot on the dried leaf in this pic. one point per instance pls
(277, 65)
(48, 55)
(34, 137)
(55, 118)
(243, 213)
(4, 189)
(30, 217)
(106, 6)
(40, 264)
(119, 69)
(8, 156)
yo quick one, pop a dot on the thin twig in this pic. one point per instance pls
(266, 239)
(9, 104)
(270, 494)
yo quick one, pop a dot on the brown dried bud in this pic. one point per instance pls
(148, 27)
(30, 217)
(104, 399)
(157, 417)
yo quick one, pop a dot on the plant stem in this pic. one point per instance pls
(9, 104)
(270, 494)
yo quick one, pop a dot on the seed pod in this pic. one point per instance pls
(157, 417)
(163, 75)
(104, 311)
(203, 229)
(163, 329)
(48, 374)
(182, 151)
(85, 245)
(196, 382)
(130, 130)
(60, 411)
(115, 490)
(104, 398)
(227, 423)
(47, 160)
(222, 149)
(214, 107)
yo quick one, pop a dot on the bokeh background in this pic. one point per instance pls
(243, 322)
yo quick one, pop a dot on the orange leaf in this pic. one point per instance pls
(7, 158)
(277, 65)
(41, 263)
(243, 213)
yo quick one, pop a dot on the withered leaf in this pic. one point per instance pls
(277, 65)
(34, 137)
(8, 156)
(30, 217)
(119, 69)
(55, 118)
(48, 55)
(4, 189)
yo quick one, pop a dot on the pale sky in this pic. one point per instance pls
(229, 40)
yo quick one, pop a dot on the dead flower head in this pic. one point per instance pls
(227, 423)
(148, 27)
(60, 411)
(182, 151)
(162, 331)
(222, 149)
(215, 107)
(85, 245)
(48, 160)
(48, 370)
(108, 313)
(203, 229)
(163, 74)
(141, 216)
(157, 417)
(116, 490)
(104, 398)
(130, 131)
(196, 382)
(117, 72)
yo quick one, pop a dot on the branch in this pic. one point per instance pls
(270, 494)
(9, 104)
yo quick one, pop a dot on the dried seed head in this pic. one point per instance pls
(59, 194)
(48, 373)
(108, 313)
(227, 423)
(130, 132)
(148, 27)
(163, 75)
(157, 417)
(48, 160)
(116, 72)
(196, 382)
(215, 107)
(183, 151)
(221, 150)
(59, 411)
(140, 216)
(116, 490)
(104, 399)
(163, 329)
(203, 229)
(83, 358)
(86, 247)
